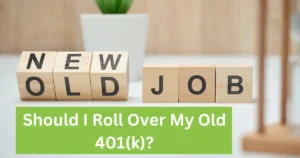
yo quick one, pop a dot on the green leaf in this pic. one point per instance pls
(114, 6)
(124, 7)
(118, 4)
(110, 6)
(101, 6)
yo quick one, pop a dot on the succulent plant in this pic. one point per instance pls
(114, 6)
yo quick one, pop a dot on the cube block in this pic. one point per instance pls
(160, 84)
(197, 83)
(71, 76)
(110, 75)
(34, 76)
(234, 83)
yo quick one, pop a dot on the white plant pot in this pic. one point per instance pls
(118, 32)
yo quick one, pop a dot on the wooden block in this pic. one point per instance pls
(197, 83)
(277, 139)
(234, 83)
(71, 76)
(160, 84)
(109, 75)
(34, 75)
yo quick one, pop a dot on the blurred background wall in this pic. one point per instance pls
(176, 26)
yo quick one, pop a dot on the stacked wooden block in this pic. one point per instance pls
(197, 83)
(104, 76)
(73, 76)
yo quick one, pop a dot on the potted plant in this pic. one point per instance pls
(114, 30)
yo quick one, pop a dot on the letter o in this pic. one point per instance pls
(190, 85)
(47, 121)
(28, 88)
(130, 122)
(207, 120)
(107, 121)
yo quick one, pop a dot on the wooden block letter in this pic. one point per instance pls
(160, 84)
(71, 76)
(34, 76)
(109, 75)
(234, 83)
(197, 83)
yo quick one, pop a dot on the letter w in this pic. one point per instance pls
(110, 58)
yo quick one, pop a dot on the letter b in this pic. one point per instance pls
(237, 84)
(234, 83)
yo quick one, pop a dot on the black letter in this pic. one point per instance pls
(230, 84)
(161, 86)
(67, 66)
(69, 93)
(32, 57)
(103, 83)
(190, 86)
(111, 58)
(42, 89)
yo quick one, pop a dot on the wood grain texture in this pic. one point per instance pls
(176, 26)
(234, 83)
(261, 42)
(115, 78)
(160, 84)
(277, 139)
(228, 26)
(72, 83)
(197, 84)
(284, 60)
(42, 25)
(41, 86)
